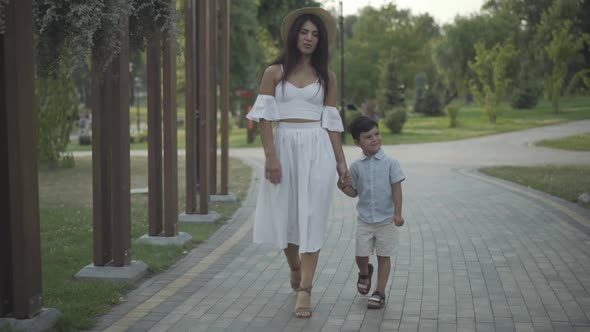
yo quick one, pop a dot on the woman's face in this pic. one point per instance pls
(308, 38)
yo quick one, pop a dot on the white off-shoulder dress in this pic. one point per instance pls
(296, 210)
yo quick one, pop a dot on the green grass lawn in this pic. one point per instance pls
(574, 143)
(422, 129)
(472, 123)
(66, 237)
(566, 182)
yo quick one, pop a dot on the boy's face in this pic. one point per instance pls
(369, 141)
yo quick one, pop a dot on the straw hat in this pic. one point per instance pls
(323, 14)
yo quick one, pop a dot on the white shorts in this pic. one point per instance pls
(381, 238)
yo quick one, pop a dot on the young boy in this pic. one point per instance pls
(376, 179)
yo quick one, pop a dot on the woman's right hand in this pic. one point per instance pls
(272, 170)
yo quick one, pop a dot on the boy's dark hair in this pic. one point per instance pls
(360, 125)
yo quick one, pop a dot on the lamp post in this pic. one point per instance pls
(342, 108)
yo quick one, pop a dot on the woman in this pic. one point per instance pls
(298, 91)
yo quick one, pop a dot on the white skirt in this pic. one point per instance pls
(296, 210)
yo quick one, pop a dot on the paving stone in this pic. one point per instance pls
(463, 264)
(427, 325)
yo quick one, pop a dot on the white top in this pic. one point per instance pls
(291, 102)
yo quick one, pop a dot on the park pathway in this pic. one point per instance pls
(476, 254)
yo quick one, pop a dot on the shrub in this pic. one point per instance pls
(452, 113)
(67, 161)
(429, 104)
(139, 137)
(87, 140)
(395, 120)
(525, 98)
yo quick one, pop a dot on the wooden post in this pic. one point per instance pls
(110, 160)
(204, 103)
(101, 161)
(212, 69)
(224, 50)
(170, 137)
(20, 256)
(190, 108)
(121, 182)
(154, 94)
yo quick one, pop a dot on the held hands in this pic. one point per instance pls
(398, 220)
(272, 170)
(345, 179)
(343, 184)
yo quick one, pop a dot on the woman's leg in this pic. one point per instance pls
(309, 262)
(292, 254)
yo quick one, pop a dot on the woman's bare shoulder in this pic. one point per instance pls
(270, 78)
(332, 75)
(274, 72)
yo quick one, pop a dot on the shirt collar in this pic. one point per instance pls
(379, 155)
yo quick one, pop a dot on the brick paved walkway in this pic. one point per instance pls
(476, 254)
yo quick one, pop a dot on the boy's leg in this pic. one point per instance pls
(385, 246)
(365, 273)
(365, 244)
(377, 300)
(383, 271)
(363, 264)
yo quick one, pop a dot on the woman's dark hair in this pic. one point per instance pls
(361, 124)
(290, 56)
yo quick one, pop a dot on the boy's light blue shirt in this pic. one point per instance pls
(372, 178)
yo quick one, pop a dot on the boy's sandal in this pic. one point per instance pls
(362, 288)
(376, 301)
(303, 312)
(295, 282)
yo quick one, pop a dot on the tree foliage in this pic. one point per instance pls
(528, 12)
(147, 16)
(552, 19)
(386, 40)
(562, 50)
(391, 89)
(492, 72)
(454, 51)
(580, 81)
(246, 55)
(57, 108)
(70, 30)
